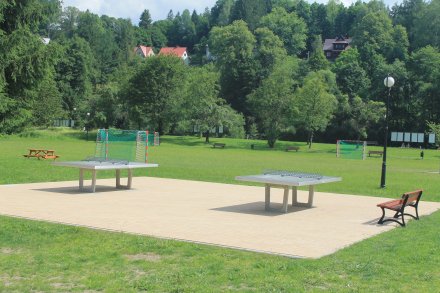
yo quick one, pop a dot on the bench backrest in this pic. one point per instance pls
(411, 197)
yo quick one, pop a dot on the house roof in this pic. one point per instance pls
(145, 50)
(328, 43)
(177, 51)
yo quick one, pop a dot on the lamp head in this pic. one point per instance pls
(388, 81)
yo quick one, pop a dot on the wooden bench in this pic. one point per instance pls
(410, 199)
(41, 154)
(292, 148)
(219, 145)
(379, 153)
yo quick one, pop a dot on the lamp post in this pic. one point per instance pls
(87, 125)
(389, 82)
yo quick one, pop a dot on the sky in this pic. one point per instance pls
(158, 8)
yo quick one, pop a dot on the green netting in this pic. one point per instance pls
(127, 145)
(351, 150)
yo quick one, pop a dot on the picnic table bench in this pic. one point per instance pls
(379, 153)
(41, 153)
(292, 148)
(398, 206)
(219, 145)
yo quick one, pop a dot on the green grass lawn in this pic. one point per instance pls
(37, 256)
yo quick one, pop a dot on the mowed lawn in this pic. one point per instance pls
(36, 256)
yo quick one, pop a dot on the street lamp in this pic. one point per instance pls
(389, 82)
(87, 125)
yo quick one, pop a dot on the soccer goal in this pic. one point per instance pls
(351, 149)
(123, 145)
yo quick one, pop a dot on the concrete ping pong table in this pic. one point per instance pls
(286, 180)
(94, 166)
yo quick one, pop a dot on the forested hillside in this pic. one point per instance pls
(265, 76)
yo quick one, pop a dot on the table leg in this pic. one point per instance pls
(309, 203)
(267, 198)
(129, 179)
(118, 178)
(311, 193)
(81, 179)
(93, 180)
(294, 195)
(285, 199)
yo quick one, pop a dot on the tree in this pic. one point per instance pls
(427, 26)
(145, 19)
(153, 90)
(221, 12)
(407, 14)
(363, 115)
(315, 103)
(233, 46)
(269, 50)
(273, 102)
(250, 11)
(75, 73)
(375, 33)
(317, 60)
(203, 106)
(434, 128)
(350, 76)
(288, 27)
(425, 74)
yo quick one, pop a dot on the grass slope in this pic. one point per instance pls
(38, 256)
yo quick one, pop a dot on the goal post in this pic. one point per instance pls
(351, 149)
(124, 145)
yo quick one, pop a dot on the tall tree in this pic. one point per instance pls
(145, 19)
(350, 76)
(317, 60)
(250, 11)
(152, 91)
(273, 102)
(316, 102)
(233, 45)
(221, 12)
(288, 27)
(204, 108)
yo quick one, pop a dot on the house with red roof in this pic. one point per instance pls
(144, 51)
(176, 51)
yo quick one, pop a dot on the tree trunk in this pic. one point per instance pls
(310, 139)
(207, 137)
(271, 142)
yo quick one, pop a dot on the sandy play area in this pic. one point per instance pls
(212, 213)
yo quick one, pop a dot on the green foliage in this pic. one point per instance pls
(317, 60)
(363, 115)
(434, 128)
(233, 46)
(316, 103)
(145, 19)
(427, 25)
(204, 109)
(288, 27)
(273, 102)
(153, 90)
(250, 11)
(221, 12)
(269, 49)
(350, 76)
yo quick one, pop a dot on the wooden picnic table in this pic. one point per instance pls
(41, 153)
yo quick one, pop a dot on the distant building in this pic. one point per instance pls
(144, 51)
(333, 47)
(46, 41)
(176, 51)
